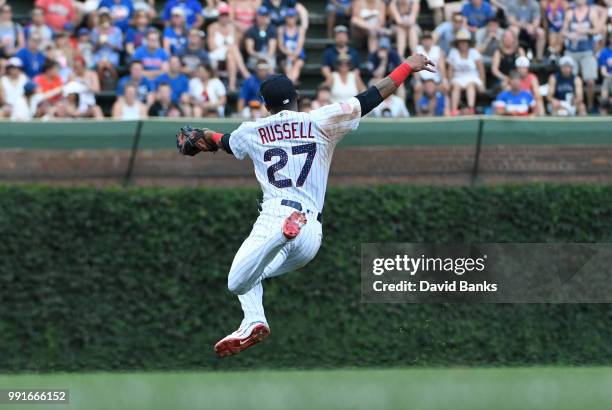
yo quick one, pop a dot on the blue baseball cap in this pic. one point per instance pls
(262, 11)
(83, 32)
(29, 87)
(290, 12)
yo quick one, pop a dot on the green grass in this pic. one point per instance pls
(558, 388)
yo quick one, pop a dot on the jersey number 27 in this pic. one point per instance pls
(309, 149)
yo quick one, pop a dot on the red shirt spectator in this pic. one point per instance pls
(50, 82)
(57, 12)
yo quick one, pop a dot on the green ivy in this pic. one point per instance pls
(136, 279)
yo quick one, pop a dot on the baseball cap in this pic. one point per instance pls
(29, 87)
(340, 29)
(384, 42)
(290, 12)
(223, 8)
(566, 60)
(262, 11)
(14, 62)
(83, 32)
(278, 91)
(177, 11)
(522, 62)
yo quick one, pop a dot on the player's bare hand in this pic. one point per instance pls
(419, 62)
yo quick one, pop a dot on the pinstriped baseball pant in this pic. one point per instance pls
(267, 253)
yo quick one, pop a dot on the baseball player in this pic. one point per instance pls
(291, 152)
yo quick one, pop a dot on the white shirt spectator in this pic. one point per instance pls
(213, 92)
(392, 107)
(13, 91)
(465, 70)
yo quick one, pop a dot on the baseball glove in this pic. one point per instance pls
(191, 141)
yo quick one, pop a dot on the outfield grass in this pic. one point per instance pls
(559, 388)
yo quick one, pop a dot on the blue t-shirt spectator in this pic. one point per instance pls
(261, 37)
(179, 85)
(330, 57)
(605, 59)
(477, 16)
(177, 41)
(152, 60)
(192, 58)
(191, 9)
(32, 61)
(135, 36)
(393, 61)
(425, 100)
(511, 103)
(250, 89)
(145, 86)
(121, 11)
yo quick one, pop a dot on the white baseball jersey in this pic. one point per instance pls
(292, 151)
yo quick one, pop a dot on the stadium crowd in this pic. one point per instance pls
(188, 57)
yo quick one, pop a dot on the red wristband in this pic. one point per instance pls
(400, 74)
(216, 137)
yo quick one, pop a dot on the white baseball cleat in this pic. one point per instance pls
(246, 336)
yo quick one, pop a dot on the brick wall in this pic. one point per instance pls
(438, 165)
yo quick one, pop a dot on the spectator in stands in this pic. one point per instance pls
(193, 54)
(404, 14)
(153, 57)
(384, 60)
(144, 87)
(260, 41)
(369, 21)
(85, 48)
(337, 9)
(465, 72)
(433, 102)
(175, 33)
(605, 68)
(210, 10)
(58, 13)
(393, 107)
(121, 12)
(243, 13)
(192, 11)
(29, 105)
(444, 34)
(50, 82)
(437, 6)
(291, 39)
(108, 43)
(63, 53)
(11, 33)
(208, 94)
(504, 58)
(178, 82)
(529, 82)
(128, 106)
(223, 40)
(305, 104)
(256, 110)
(341, 46)
(11, 86)
(344, 82)
(163, 105)
(554, 11)
(515, 101)
(477, 13)
(148, 6)
(525, 20)
(78, 102)
(322, 98)
(31, 57)
(278, 11)
(135, 35)
(579, 28)
(488, 39)
(565, 92)
(39, 27)
(437, 56)
(250, 88)
(87, 78)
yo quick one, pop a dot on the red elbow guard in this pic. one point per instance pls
(400, 74)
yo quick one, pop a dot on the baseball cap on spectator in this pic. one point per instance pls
(566, 60)
(83, 32)
(426, 35)
(254, 104)
(14, 62)
(262, 65)
(262, 11)
(177, 11)
(223, 8)
(463, 35)
(384, 42)
(69, 27)
(290, 12)
(29, 87)
(103, 10)
(522, 62)
(340, 29)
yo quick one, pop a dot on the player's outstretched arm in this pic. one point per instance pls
(380, 91)
(191, 141)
